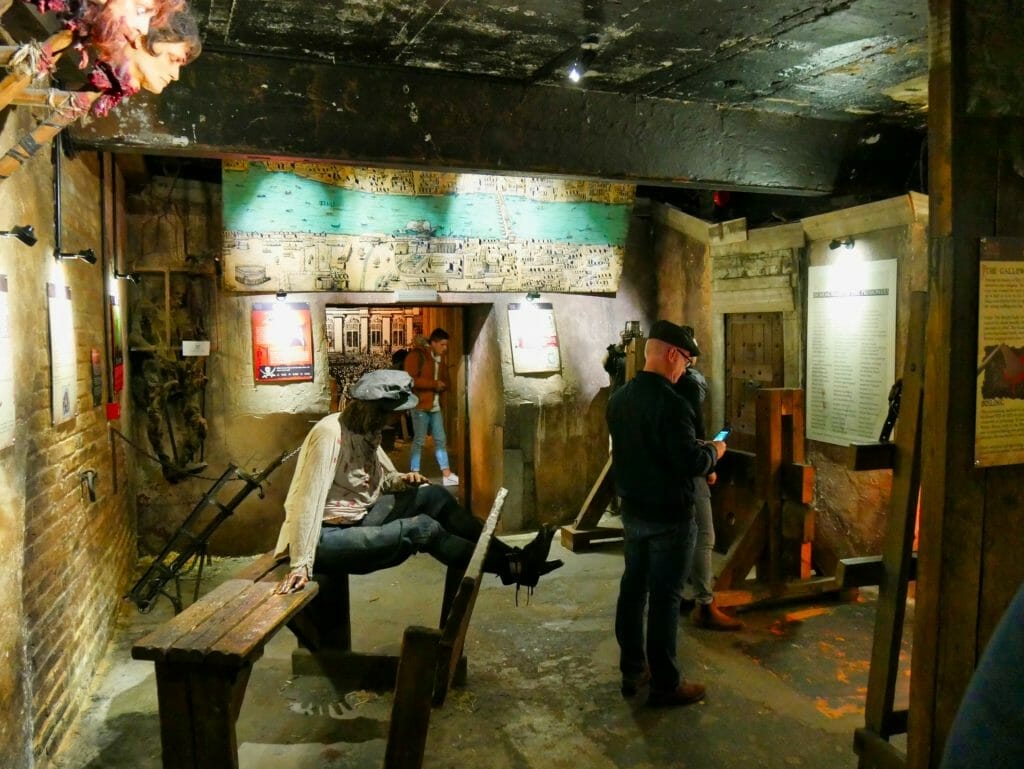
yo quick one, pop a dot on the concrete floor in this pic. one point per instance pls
(543, 688)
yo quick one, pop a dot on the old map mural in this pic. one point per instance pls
(322, 227)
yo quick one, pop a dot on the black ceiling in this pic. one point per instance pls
(832, 59)
(802, 97)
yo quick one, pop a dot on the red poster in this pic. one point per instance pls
(282, 342)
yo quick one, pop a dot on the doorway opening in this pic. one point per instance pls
(362, 338)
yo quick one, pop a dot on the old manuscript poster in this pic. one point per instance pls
(851, 350)
(282, 342)
(999, 417)
(7, 417)
(63, 369)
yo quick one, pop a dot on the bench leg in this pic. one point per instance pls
(410, 714)
(199, 706)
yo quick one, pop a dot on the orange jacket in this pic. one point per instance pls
(419, 364)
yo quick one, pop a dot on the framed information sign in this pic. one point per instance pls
(534, 338)
(282, 342)
(999, 414)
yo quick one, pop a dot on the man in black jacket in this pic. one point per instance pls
(655, 456)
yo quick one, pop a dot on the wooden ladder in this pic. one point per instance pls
(881, 720)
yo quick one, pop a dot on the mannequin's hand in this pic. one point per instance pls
(294, 582)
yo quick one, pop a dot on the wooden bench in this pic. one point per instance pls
(204, 656)
(203, 660)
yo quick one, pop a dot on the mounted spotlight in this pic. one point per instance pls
(532, 296)
(86, 255)
(25, 233)
(846, 243)
(281, 295)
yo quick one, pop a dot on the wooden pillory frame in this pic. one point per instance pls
(772, 509)
(585, 531)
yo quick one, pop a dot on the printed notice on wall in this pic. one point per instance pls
(999, 422)
(851, 350)
(64, 389)
(282, 342)
(534, 339)
(7, 415)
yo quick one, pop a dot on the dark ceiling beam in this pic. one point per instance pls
(237, 105)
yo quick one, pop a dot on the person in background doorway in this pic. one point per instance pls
(655, 457)
(428, 368)
(694, 387)
(349, 511)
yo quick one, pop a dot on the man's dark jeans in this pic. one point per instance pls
(656, 555)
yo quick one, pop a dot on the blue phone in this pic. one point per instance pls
(722, 434)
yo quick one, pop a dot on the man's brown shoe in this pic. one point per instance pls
(684, 694)
(710, 617)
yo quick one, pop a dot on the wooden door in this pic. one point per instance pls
(754, 358)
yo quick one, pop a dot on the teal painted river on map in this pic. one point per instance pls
(257, 201)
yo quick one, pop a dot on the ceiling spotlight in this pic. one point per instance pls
(532, 296)
(25, 233)
(281, 295)
(585, 57)
(85, 255)
(847, 243)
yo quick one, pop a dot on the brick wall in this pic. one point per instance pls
(67, 560)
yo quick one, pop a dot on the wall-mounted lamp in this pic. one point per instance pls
(846, 243)
(532, 296)
(25, 233)
(281, 295)
(131, 277)
(87, 481)
(86, 255)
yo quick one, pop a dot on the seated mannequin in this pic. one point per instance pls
(349, 511)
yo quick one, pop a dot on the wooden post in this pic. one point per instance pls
(769, 471)
(410, 715)
(969, 562)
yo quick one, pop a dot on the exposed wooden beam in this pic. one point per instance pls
(231, 104)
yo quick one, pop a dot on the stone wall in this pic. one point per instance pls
(67, 560)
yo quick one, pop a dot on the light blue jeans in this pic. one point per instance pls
(424, 422)
(699, 568)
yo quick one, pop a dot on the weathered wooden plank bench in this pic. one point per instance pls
(204, 657)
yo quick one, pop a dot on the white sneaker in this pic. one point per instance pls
(450, 480)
